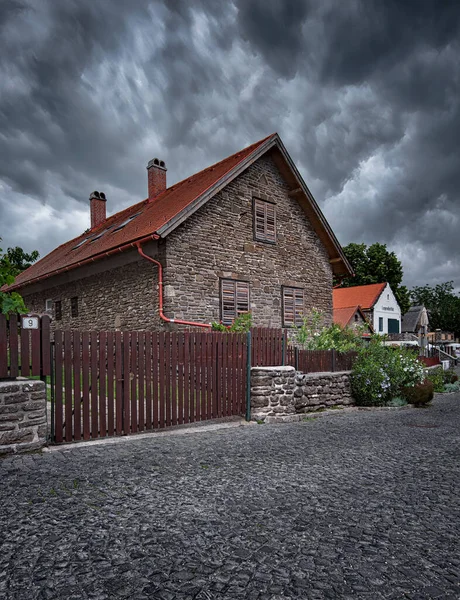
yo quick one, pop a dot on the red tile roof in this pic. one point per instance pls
(364, 296)
(343, 316)
(151, 216)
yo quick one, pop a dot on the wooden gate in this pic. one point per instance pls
(117, 383)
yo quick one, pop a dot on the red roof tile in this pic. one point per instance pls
(151, 216)
(343, 316)
(364, 296)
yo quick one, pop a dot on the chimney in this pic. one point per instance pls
(157, 177)
(97, 205)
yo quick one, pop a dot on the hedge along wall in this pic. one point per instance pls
(280, 394)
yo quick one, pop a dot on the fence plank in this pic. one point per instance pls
(76, 373)
(133, 377)
(119, 354)
(85, 358)
(219, 375)
(110, 384)
(141, 380)
(94, 385)
(208, 368)
(25, 355)
(3, 347)
(45, 340)
(173, 378)
(148, 380)
(155, 378)
(102, 384)
(202, 380)
(180, 380)
(186, 377)
(13, 346)
(126, 382)
(68, 385)
(58, 407)
(161, 378)
(234, 375)
(167, 351)
(244, 381)
(35, 343)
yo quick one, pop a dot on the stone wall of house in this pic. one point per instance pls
(281, 394)
(125, 297)
(314, 391)
(218, 242)
(22, 416)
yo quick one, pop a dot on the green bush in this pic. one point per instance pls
(242, 324)
(381, 372)
(450, 376)
(436, 376)
(419, 394)
(396, 402)
(316, 334)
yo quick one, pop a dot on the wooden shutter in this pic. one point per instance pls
(264, 221)
(235, 299)
(293, 302)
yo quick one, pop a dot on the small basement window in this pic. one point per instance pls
(234, 299)
(74, 306)
(58, 310)
(49, 305)
(264, 221)
(293, 304)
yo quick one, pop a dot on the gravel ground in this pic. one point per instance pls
(362, 504)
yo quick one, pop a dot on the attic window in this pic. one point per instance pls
(126, 222)
(80, 244)
(264, 221)
(99, 235)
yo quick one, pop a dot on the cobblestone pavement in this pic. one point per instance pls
(358, 505)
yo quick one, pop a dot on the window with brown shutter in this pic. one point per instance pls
(264, 221)
(293, 302)
(74, 306)
(58, 310)
(234, 299)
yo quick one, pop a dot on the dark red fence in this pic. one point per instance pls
(267, 346)
(115, 383)
(24, 352)
(318, 361)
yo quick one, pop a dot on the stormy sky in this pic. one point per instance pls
(364, 93)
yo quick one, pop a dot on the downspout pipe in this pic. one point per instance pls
(160, 285)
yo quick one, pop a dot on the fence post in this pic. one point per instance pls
(52, 352)
(248, 378)
(296, 358)
(333, 359)
(283, 349)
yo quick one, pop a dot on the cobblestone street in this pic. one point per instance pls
(363, 504)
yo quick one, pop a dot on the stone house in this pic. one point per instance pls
(242, 235)
(376, 301)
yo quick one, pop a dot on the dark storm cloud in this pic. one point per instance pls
(364, 93)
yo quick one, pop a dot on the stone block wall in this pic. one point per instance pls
(281, 394)
(23, 424)
(321, 390)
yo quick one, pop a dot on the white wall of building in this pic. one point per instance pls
(386, 308)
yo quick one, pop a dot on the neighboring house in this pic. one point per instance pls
(351, 316)
(415, 323)
(242, 235)
(377, 302)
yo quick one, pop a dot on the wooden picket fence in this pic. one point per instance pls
(117, 383)
(24, 352)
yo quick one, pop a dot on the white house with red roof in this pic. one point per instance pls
(375, 300)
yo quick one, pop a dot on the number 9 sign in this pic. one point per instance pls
(30, 322)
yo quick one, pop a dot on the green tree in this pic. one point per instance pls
(442, 303)
(376, 264)
(16, 260)
(10, 302)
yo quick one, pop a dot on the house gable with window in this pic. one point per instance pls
(242, 235)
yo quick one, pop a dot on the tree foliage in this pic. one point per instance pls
(375, 264)
(12, 263)
(442, 304)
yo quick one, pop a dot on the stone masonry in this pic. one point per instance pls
(22, 416)
(281, 394)
(215, 242)
(314, 391)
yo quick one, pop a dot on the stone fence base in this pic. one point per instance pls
(22, 416)
(280, 394)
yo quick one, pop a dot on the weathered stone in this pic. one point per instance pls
(16, 436)
(34, 405)
(15, 398)
(7, 410)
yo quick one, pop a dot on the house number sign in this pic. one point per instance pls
(30, 322)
